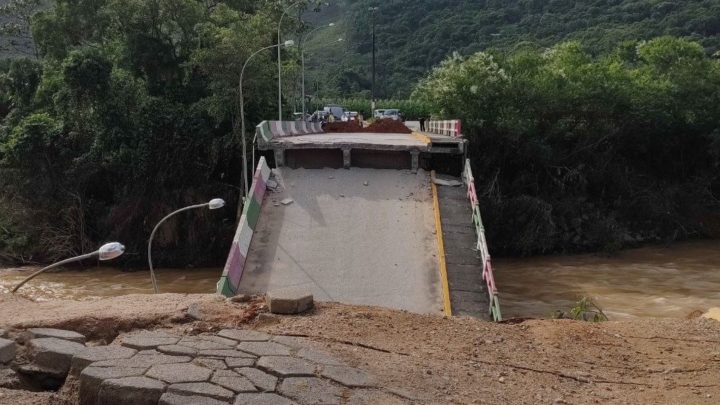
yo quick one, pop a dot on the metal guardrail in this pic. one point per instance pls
(482, 247)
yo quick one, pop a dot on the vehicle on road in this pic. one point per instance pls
(379, 114)
(336, 110)
(393, 114)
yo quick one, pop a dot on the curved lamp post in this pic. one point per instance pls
(278, 45)
(242, 110)
(302, 57)
(213, 205)
(108, 251)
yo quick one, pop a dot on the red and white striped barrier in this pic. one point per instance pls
(267, 130)
(451, 128)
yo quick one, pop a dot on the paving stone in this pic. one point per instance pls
(179, 373)
(233, 381)
(72, 336)
(225, 353)
(202, 389)
(149, 340)
(243, 335)
(130, 390)
(7, 350)
(311, 390)
(175, 399)
(53, 355)
(283, 366)
(139, 360)
(289, 301)
(318, 357)
(264, 348)
(291, 341)
(262, 399)
(233, 362)
(219, 340)
(262, 380)
(177, 350)
(148, 352)
(347, 376)
(92, 377)
(99, 353)
(202, 344)
(211, 363)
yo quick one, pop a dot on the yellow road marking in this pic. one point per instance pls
(422, 138)
(447, 307)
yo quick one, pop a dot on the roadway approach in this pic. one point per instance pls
(357, 218)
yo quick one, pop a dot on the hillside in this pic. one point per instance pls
(414, 35)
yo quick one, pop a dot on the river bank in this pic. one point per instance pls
(432, 359)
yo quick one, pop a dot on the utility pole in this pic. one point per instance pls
(372, 92)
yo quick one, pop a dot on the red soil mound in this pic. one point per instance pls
(385, 126)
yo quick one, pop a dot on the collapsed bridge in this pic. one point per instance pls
(362, 218)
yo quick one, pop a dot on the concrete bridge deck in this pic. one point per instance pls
(358, 236)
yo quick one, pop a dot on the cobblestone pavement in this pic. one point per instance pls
(230, 367)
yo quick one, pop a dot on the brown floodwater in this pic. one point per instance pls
(97, 282)
(660, 281)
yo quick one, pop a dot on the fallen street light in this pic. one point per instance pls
(214, 204)
(106, 252)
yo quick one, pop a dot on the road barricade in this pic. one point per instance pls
(235, 265)
(451, 128)
(267, 130)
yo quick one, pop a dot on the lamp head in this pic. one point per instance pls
(289, 43)
(111, 250)
(216, 203)
(331, 25)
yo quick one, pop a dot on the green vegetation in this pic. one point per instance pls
(415, 35)
(130, 112)
(577, 152)
(586, 309)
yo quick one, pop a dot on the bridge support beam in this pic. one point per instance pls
(279, 157)
(347, 157)
(415, 162)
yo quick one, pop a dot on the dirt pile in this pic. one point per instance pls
(388, 126)
(384, 126)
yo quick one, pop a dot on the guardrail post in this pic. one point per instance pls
(279, 157)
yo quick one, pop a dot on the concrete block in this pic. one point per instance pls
(179, 373)
(233, 381)
(202, 389)
(264, 348)
(282, 366)
(92, 377)
(53, 355)
(99, 353)
(72, 336)
(130, 390)
(148, 340)
(7, 350)
(289, 301)
(262, 380)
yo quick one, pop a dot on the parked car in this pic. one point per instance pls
(379, 114)
(336, 110)
(393, 114)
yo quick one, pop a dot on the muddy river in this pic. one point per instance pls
(665, 281)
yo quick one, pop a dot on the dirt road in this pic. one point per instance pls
(435, 360)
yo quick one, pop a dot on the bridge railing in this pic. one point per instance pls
(451, 128)
(267, 130)
(482, 247)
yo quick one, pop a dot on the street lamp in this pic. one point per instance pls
(106, 252)
(372, 102)
(278, 45)
(302, 57)
(287, 44)
(213, 205)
